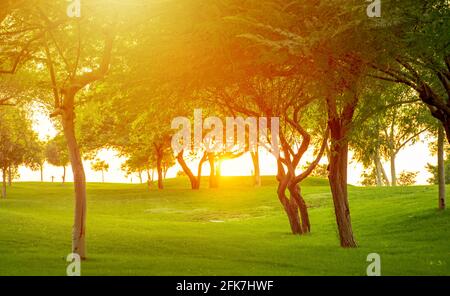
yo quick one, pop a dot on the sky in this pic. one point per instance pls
(412, 158)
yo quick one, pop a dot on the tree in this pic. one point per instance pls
(16, 143)
(276, 97)
(385, 127)
(100, 166)
(398, 131)
(413, 50)
(194, 179)
(407, 178)
(369, 178)
(136, 163)
(56, 153)
(433, 169)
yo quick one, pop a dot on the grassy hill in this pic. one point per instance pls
(234, 230)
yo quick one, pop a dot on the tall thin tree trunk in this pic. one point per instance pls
(339, 124)
(79, 177)
(9, 176)
(64, 175)
(256, 167)
(378, 170)
(149, 179)
(383, 173)
(338, 183)
(4, 183)
(441, 168)
(213, 182)
(165, 170)
(160, 170)
(41, 168)
(140, 176)
(393, 172)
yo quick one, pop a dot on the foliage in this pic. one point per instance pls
(100, 166)
(369, 177)
(56, 151)
(407, 178)
(433, 169)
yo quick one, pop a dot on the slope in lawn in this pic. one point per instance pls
(234, 230)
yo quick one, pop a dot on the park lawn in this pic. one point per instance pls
(234, 230)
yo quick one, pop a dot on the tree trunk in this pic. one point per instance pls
(149, 179)
(338, 182)
(378, 170)
(383, 173)
(393, 172)
(290, 207)
(41, 168)
(140, 176)
(103, 177)
(257, 171)
(441, 168)
(165, 170)
(4, 183)
(213, 179)
(298, 198)
(195, 182)
(159, 169)
(9, 176)
(79, 177)
(294, 217)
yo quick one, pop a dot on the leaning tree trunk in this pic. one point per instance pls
(290, 206)
(291, 209)
(378, 169)
(441, 168)
(383, 173)
(296, 195)
(338, 183)
(149, 179)
(257, 170)
(195, 182)
(79, 178)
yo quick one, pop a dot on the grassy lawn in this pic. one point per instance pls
(235, 230)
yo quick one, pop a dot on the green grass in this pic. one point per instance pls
(131, 231)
